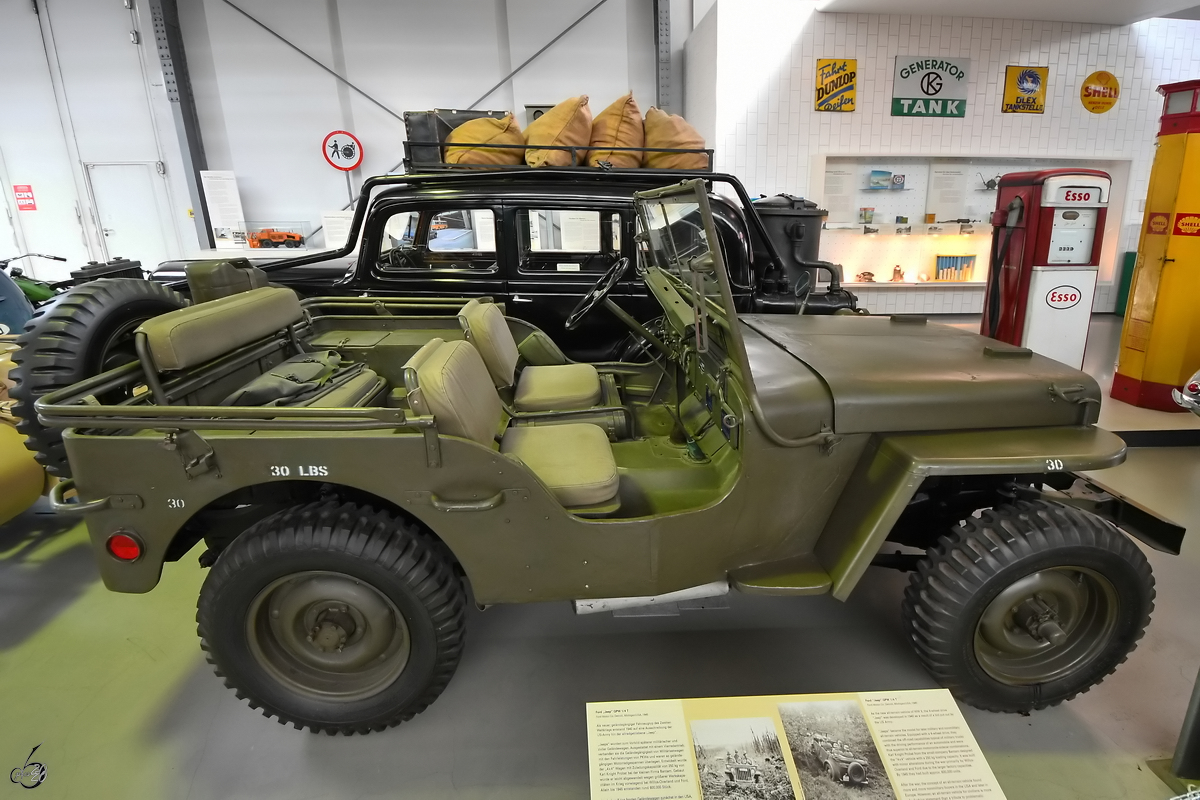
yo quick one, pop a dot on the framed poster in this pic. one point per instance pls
(1025, 90)
(837, 84)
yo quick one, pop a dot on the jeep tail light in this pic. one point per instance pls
(124, 547)
(1194, 387)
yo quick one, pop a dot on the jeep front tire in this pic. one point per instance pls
(1028, 605)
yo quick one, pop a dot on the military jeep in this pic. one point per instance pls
(741, 773)
(357, 473)
(837, 762)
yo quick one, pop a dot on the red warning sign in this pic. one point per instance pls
(24, 194)
(1187, 225)
(1158, 223)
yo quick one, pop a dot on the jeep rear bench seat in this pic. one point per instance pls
(198, 334)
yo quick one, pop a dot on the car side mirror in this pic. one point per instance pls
(803, 284)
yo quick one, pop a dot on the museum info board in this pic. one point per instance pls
(912, 745)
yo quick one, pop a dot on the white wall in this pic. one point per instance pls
(700, 95)
(769, 135)
(33, 149)
(264, 109)
(78, 90)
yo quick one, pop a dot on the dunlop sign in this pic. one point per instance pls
(837, 84)
(930, 87)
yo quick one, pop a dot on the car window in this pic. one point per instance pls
(400, 230)
(460, 231)
(447, 239)
(568, 240)
(564, 231)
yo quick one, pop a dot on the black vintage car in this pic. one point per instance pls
(537, 240)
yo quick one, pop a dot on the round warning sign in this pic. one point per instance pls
(342, 150)
(1100, 92)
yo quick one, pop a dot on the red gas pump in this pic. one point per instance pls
(1047, 232)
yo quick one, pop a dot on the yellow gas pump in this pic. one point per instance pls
(1160, 343)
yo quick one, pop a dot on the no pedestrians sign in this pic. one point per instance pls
(930, 87)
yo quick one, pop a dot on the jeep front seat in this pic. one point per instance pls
(574, 460)
(558, 387)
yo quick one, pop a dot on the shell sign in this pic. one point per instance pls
(1187, 225)
(1100, 92)
(1158, 224)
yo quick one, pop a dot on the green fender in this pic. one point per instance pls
(892, 468)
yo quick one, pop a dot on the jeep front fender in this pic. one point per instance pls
(892, 468)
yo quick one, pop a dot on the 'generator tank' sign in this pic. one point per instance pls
(930, 87)
(837, 81)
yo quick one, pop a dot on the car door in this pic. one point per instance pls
(436, 250)
(558, 252)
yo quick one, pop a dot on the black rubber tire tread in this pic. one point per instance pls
(58, 348)
(325, 533)
(966, 570)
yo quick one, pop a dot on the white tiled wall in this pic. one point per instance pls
(767, 132)
(886, 299)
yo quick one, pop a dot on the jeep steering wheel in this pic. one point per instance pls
(598, 292)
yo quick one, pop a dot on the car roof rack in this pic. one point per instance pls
(428, 130)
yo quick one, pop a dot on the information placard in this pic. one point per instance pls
(912, 745)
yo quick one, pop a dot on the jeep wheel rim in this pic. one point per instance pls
(1046, 626)
(328, 636)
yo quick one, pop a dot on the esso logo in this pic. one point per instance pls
(1063, 297)
(1073, 196)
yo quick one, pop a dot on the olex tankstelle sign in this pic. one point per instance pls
(930, 87)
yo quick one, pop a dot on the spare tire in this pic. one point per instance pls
(83, 332)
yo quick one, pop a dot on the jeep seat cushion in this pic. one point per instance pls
(489, 332)
(673, 131)
(457, 390)
(199, 333)
(575, 461)
(619, 125)
(486, 130)
(558, 387)
(319, 379)
(568, 124)
(360, 391)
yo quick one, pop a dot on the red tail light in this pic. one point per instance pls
(1194, 387)
(124, 547)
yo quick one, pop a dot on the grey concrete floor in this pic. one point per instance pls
(116, 689)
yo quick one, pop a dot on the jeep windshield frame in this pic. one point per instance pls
(679, 260)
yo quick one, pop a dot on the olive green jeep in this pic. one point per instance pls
(358, 473)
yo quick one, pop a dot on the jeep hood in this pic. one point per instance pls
(888, 374)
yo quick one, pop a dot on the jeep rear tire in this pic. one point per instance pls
(85, 331)
(334, 617)
(1027, 606)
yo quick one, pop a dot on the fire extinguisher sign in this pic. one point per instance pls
(23, 193)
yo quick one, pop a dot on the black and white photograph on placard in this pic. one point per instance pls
(740, 759)
(834, 752)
